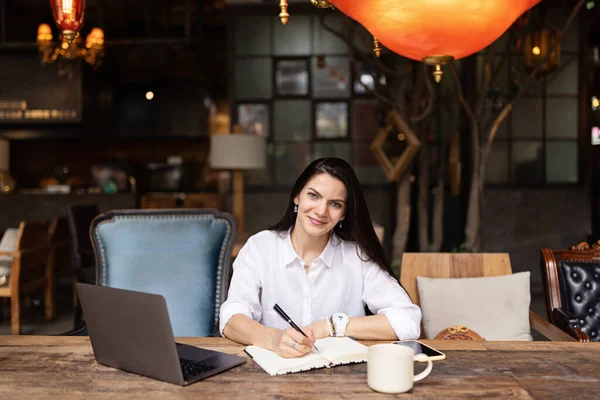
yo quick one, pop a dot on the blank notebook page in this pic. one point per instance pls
(332, 350)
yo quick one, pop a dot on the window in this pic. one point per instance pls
(294, 85)
(537, 142)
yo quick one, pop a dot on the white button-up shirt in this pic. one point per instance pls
(268, 271)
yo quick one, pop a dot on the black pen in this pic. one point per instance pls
(283, 315)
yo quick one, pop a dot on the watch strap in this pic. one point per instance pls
(329, 326)
(339, 328)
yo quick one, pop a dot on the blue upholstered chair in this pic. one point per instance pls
(182, 254)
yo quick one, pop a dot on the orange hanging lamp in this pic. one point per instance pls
(69, 16)
(433, 31)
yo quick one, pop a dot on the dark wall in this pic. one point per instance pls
(522, 221)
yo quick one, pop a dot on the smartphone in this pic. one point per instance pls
(419, 348)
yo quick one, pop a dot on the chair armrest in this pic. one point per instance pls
(568, 323)
(550, 331)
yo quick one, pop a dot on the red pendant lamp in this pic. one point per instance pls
(68, 15)
(434, 31)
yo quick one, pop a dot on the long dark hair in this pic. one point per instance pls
(357, 226)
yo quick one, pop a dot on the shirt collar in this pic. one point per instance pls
(289, 254)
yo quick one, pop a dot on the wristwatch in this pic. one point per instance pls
(339, 321)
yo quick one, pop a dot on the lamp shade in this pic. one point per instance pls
(4, 155)
(421, 29)
(237, 151)
(69, 16)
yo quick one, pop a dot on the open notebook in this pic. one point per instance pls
(333, 351)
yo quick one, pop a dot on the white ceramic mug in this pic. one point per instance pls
(390, 368)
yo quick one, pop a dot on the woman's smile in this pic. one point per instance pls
(316, 221)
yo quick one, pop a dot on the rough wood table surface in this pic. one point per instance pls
(39, 367)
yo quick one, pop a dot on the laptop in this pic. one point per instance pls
(132, 331)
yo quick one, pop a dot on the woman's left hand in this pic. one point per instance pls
(317, 330)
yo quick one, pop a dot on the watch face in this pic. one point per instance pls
(340, 317)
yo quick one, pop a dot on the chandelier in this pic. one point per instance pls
(432, 31)
(92, 52)
(69, 16)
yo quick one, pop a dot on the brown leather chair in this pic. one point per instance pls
(572, 286)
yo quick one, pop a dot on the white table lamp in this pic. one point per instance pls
(238, 152)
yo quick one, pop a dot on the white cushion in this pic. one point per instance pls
(496, 307)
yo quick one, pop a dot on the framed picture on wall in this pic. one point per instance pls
(331, 120)
(254, 118)
(291, 77)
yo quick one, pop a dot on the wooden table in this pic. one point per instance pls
(39, 367)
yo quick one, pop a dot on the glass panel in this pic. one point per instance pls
(254, 118)
(527, 162)
(324, 42)
(253, 78)
(519, 77)
(253, 35)
(500, 84)
(290, 161)
(561, 162)
(333, 78)
(527, 118)
(332, 149)
(371, 77)
(365, 165)
(292, 77)
(293, 120)
(331, 120)
(364, 120)
(558, 16)
(496, 170)
(564, 80)
(261, 176)
(502, 129)
(364, 82)
(294, 37)
(561, 118)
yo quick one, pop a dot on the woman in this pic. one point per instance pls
(322, 264)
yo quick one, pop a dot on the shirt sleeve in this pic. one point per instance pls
(244, 290)
(384, 295)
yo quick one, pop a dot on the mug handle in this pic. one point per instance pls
(422, 357)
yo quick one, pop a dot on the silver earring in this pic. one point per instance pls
(340, 224)
(295, 208)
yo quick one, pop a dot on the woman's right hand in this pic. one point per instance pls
(290, 343)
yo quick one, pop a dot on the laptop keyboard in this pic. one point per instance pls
(192, 369)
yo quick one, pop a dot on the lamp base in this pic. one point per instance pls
(238, 200)
(7, 183)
